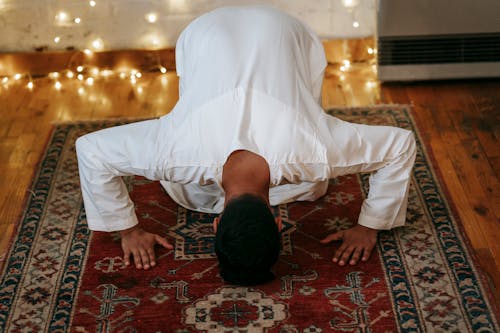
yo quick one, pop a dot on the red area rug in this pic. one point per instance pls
(60, 277)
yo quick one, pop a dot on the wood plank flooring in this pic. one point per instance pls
(460, 122)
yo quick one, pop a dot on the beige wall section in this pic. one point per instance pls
(26, 25)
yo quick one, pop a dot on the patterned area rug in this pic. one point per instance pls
(60, 277)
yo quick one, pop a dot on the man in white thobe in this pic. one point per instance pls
(250, 88)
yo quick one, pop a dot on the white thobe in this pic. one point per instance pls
(250, 79)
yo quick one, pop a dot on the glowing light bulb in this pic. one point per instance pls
(152, 40)
(89, 81)
(58, 85)
(151, 17)
(17, 76)
(70, 74)
(53, 75)
(106, 72)
(155, 42)
(347, 64)
(355, 24)
(57, 39)
(87, 52)
(370, 84)
(95, 71)
(123, 75)
(5, 80)
(97, 44)
(78, 20)
(349, 4)
(370, 50)
(92, 3)
(140, 90)
(30, 85)
(79, 69)
(81, 91)
(80, 77)
(163, 69)
(133, 80)
(138, 75)
(62, 17)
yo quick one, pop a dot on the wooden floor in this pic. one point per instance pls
(460, 122)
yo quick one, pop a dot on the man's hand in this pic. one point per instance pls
(357, 242)
(140, 244)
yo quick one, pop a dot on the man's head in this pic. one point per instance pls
(247, 241)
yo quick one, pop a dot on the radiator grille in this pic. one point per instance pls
(439, 49)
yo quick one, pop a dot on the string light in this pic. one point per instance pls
(152, 17)
(355, 24)
(346, 65)
(370, 84)
(78, 20)
(370, 50)
(87, 52)
(57, 39)
(86, 74)
(97, 44)
(106, 72)
(62, 17)
(81, 91)
(53, 75)
(92, 3)
(154, 42)
(350, 3)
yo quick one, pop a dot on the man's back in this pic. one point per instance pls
(250, 47)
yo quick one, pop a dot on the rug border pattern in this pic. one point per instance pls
(446, 231)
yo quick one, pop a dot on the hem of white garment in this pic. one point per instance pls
(373, 223)
(112, 227)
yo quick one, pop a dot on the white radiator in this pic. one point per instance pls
(438, 39)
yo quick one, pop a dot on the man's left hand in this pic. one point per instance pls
(357, 242)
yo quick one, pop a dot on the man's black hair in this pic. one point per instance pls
(247, 242)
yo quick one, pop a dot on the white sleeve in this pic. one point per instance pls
(107, 204)
(385, 206)
(388, 152)
(103, 158)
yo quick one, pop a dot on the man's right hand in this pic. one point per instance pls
(140, 244)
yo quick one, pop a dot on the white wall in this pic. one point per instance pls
(122, 24)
